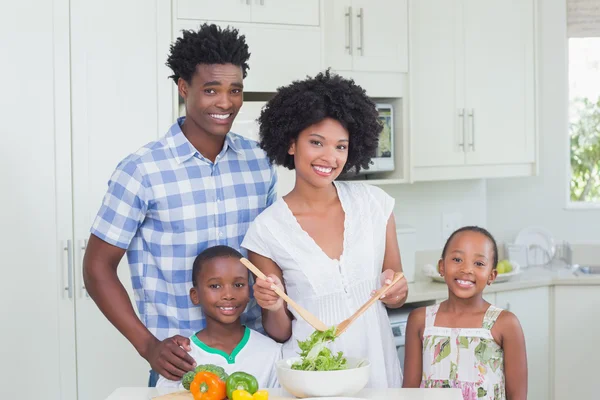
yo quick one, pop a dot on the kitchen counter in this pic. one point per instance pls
(532, 277)
(280, 394)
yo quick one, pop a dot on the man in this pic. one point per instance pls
(198, 186)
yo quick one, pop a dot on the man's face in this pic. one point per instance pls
(213, 97)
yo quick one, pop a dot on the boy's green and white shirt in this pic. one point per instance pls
(255, 354)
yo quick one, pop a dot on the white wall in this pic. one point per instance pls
(540, 201)
(422, 204)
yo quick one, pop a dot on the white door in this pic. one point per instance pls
(436, 83)
(297, 50)
(576, 353)
(337, 34)
(36, 311)
(222, 10)
(287, 12)
(499, 68)
(380, 29)
(114, 86)
(532, 307)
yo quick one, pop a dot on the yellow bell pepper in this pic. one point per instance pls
(245, 395)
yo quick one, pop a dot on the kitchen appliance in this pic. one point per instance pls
(407, 242)
(398, 320)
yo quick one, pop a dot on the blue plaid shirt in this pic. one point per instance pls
(165, 204)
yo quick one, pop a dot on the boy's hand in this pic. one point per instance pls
(265, 295)
(170, 358)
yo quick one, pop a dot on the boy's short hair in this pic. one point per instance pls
(210, 44)
(210, 254)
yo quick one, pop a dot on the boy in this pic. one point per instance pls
(221, 289)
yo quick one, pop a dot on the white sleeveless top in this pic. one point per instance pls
(334, 289)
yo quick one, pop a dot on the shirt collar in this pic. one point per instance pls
(183, 150)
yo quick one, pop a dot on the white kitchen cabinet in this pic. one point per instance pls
(368, 36)
(472, 86)
(532, 308)
(89, 110)
(288, 12)
(576, 354)
(280, 54)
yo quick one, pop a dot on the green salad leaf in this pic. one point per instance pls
(316, 356)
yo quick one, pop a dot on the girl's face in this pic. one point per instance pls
(320, 152)
(468, 264)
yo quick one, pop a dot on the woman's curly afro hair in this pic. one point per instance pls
(209, 45)
(304, 103)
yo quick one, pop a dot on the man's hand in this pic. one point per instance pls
(170, 358)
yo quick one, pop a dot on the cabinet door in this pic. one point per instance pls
(337, 38)
(532, 307)
(297, 50)
(223, 10)
(436, 83)
(499, 73)
(380, 29)
(576, 352)
(114, 114)
(37, 336)
(288, 12)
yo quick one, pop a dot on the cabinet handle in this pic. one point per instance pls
(507, 308)
(361, 18)
(69, 249)
(348, 15)
(472, 115)
(461, 116)
(82, 248)
(248, 2)
(262, 2)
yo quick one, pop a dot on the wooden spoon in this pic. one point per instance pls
(342, 326)
(304, 313)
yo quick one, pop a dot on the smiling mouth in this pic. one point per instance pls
(229, 310)
(220, 117)
(323, 171)
(465, 283)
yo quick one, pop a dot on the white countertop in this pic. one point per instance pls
(280, 394)
(531, 277)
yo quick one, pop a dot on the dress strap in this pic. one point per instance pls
(430, 313)
(490, 317)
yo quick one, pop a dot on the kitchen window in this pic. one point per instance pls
(583, 18)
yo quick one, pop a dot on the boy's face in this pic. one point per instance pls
(214, 97)
(320, 152)
(222, 289)
(468, 265)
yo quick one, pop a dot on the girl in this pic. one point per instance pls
(332, 243)
(465, 342)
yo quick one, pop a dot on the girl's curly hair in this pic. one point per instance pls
(304, 103)
(210, 44)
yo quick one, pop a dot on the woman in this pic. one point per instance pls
(332, 243)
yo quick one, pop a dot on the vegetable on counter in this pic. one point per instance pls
(241, 381)
(189, 376)
(316, 356)
(245, 395)
(207, 386)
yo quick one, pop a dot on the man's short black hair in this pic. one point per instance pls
(208, 45)
(304, 103)
(210, 254)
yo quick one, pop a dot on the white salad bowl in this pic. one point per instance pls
(345, 382)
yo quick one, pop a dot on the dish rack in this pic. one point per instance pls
(537, 256)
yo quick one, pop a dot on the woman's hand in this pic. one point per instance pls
(265, 295)
(396, 296)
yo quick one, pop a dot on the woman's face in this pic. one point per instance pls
(320, 152)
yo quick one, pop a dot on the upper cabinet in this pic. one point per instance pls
(472, 88)
(368, 36)
(284, 36)
(289, 12)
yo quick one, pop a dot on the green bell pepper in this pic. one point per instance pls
(215, 369)
(241, 381)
